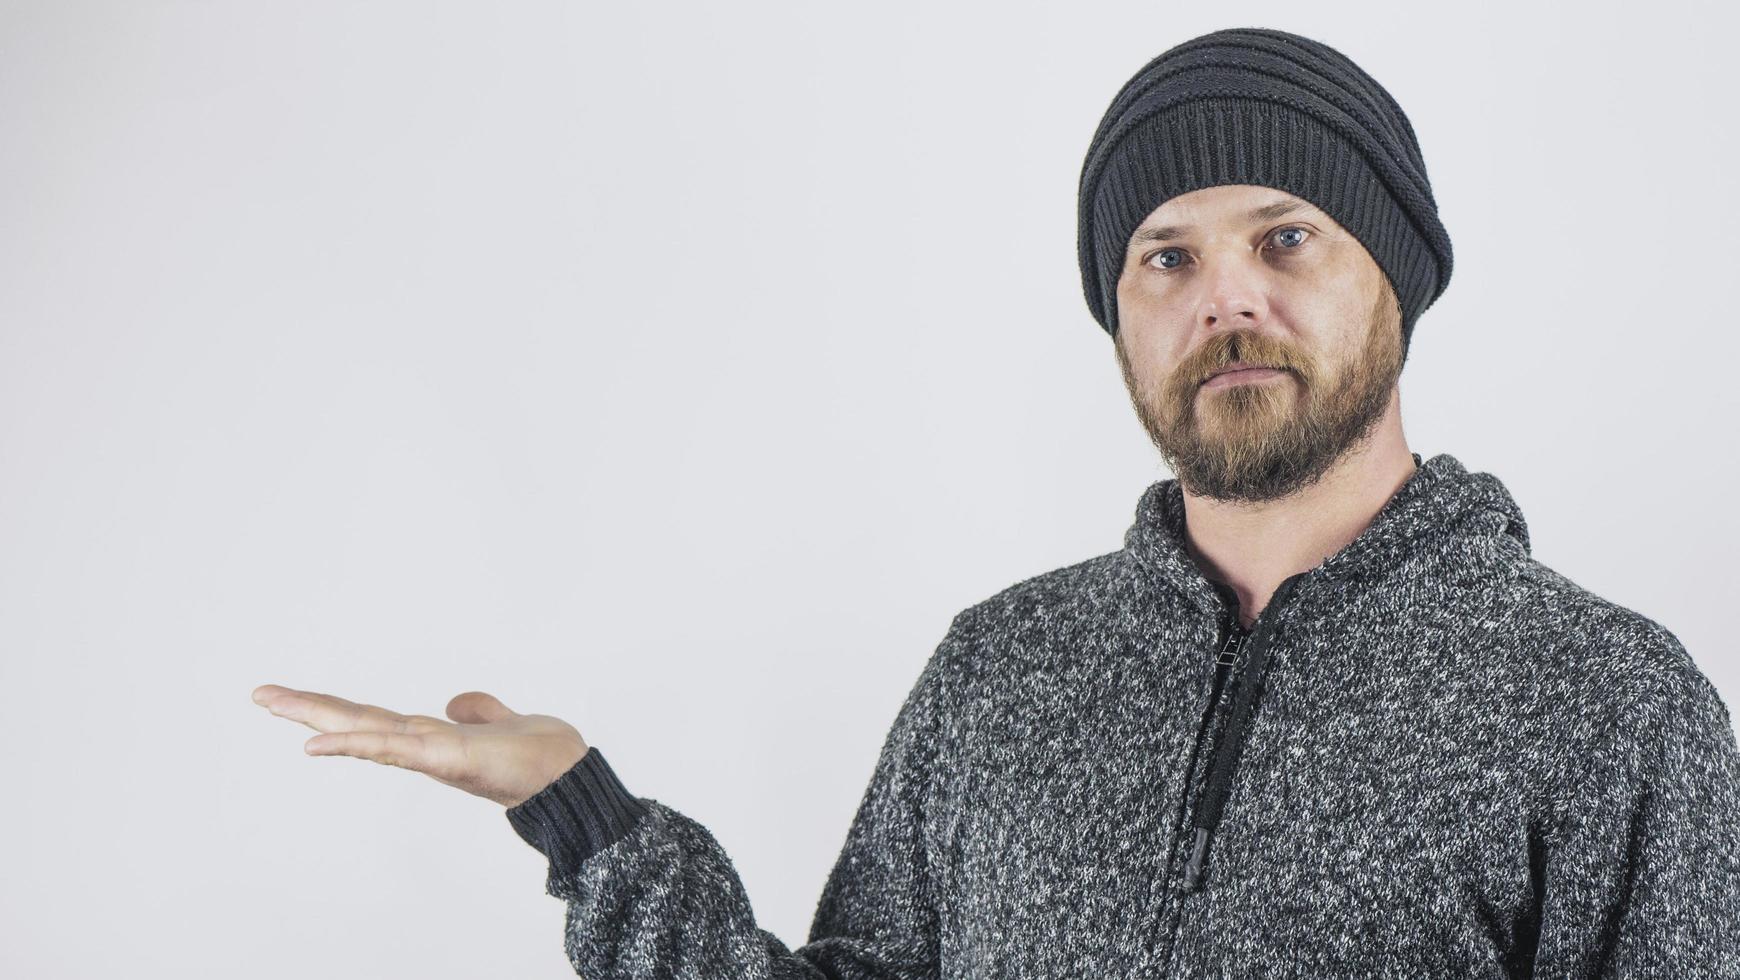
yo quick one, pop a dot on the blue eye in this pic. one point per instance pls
(1165, 251)
(1295, 239)
(1297, 242)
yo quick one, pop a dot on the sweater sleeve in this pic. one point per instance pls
(1643, 877)
(651, 893)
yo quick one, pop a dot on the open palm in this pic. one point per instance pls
(487, 750)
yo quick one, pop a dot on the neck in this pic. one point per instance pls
(1254, 547)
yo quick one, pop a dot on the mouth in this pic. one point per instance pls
(1239, 372)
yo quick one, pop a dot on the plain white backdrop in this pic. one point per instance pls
(680, 371)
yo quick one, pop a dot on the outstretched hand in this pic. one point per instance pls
(488, 750)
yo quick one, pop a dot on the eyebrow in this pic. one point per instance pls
(1267, 212)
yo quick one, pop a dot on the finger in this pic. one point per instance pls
(329, 713)
(266, 692)
(386, 748)
(478, 708)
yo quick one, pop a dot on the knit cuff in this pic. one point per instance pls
(583, 812)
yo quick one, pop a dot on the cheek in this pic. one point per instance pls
(1352, 324)
(1137, 292)
(1149, 357)
(1127, 299)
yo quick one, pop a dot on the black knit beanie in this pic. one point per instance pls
(1259, 106)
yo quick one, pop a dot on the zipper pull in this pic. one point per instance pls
(1198, 852)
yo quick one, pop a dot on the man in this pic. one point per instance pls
(1322, 715)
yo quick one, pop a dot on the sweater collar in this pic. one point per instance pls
(1440, 503)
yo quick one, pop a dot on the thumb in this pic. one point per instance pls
(477, 708)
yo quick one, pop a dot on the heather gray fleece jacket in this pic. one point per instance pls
(1433, 756)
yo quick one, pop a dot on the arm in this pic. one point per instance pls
(650, 892)
(1643, 876)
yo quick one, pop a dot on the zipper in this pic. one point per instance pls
(1219, 694)
(1239, 698)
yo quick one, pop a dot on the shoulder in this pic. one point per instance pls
(1055, 597)
(1598, 634)
(1057, 592)
(1615, 672)
(1061, 614)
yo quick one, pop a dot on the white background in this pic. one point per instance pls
(681, 371)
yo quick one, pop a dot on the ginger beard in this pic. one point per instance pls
(1268, 439)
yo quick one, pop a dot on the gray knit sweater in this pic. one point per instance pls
(1432, 756)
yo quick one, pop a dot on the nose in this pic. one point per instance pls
(1233, 296)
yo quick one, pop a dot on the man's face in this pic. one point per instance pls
(1254, 275)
